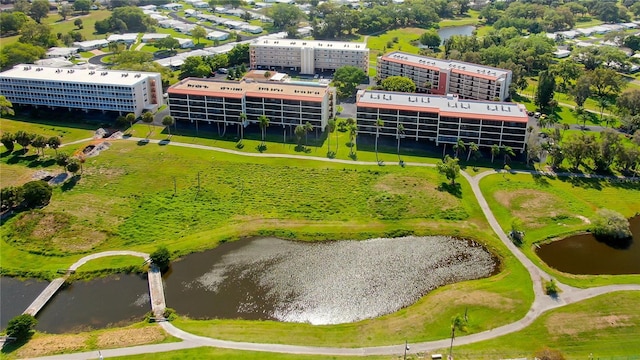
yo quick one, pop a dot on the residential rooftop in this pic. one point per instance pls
(454, 65)
(316, 44)
(445, 105)
(75, 75)
(210, 87)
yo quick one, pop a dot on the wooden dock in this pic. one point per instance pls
(45, 296)
(156, 292)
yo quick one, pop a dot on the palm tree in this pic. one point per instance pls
(243, 118)
(264, 124)
(147, 118)
(300, 131)
(473, 148)
(353, 131)
(457, 322)
(459, 146)
(399, 134)
(603, 103)
(307, 129)
(379, 124)
(168, 121)
(495, 150)
(508, 152)
(331, 127)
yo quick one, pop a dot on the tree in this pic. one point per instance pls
(300, 131)
(73, 165)
(473, 148)
(11, 22)
(198, 33)
(517, 234)
(194, 66)
(6, 107)
(346, 78)
(36, 193)
(307, 129)
(610, 142)
(161, 258)
(331, 128)
(239, 54)
(606, 82)
(285, 15)
(242, 118)
(399, 135)
(62, 159)
(10, 197)
(39, 142)
(78, 23)
(168, 42)
(458, 146)
(495, 150)
(353, 132)
(508, 153)
(82, 5)
(39, 10)
(379, 124)
(168, 121)
(147, 118)
(628, 157)
(37, 34)
(609, 224)
(24, 139)
(577, 148)
(263, 121)
(449, 168)
(582, 90)
(398, 83)
(131, 117)
(430, 38)
(54, 143)
(19, 53)
(457, 323)
(20, 327)
(64, 11)
(7, 140)
(546, 89)
(629, 101)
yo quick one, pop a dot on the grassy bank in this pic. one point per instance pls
(42, 344)
(552, 207)
(217, 353)
(605, 327)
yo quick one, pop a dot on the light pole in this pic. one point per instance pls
(406, 347)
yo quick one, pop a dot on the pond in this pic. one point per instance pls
(449, 31)
(16, 295)
(584, 254)
(319, 283)
(328, 282)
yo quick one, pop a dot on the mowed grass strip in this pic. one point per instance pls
(228, 354)
(605, 326)
(48, 128)
(552, 207)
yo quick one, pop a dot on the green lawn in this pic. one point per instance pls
(48, 128)
(605, 327)
(549, 208)
(378, 44)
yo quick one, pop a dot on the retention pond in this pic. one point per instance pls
(584, 254)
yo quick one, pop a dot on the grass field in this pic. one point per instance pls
(549, 207)
(48, 128)
(605, 327)
(216, 353)
(50, 344)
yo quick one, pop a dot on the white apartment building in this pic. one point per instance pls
(85, 89)
(286, 105)
(437, 76)
(443, 118)
(307, 56)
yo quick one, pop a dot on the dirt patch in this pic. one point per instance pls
(52, 344)
(576, 323)
(130, 337)
(86, 240)
(529, 204)
(49, 225)
(477, 298)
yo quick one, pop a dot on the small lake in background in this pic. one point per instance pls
(584, 254)
(449, 31)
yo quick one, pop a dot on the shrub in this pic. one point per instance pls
(20, 326)
(548, 354)
(609, 224)
(161, 258)
(36, 194)
(551, 288)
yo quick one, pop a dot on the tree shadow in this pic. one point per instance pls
(541, 180)
(302, 148)
(142, 142)
(42, 163)
(583, 182)
(164, 142)
(353, 156)
(12, 346)
(261, 148)
(71, 183)
(5, 153)
(618, 244)
(453, 189)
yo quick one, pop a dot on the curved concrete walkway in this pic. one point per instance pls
(541, 304)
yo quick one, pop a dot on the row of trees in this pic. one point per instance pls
(206, 66)
(31, 195)
(25, 139)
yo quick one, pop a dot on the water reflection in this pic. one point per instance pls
(319, 283)
(583, 254)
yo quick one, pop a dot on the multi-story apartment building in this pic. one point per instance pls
(85, 89)
(307, 56)
(443, 118)
(437, 76)
(211, 101)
